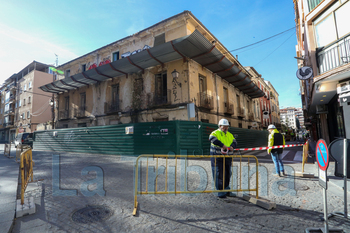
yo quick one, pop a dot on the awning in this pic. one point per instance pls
(194, 46)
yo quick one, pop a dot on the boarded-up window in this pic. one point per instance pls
(160, 39)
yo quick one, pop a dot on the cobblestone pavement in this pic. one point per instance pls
(81, 180)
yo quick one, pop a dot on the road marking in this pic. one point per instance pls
(298, 156)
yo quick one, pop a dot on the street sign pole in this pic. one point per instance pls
(322, 157)
(345, 161)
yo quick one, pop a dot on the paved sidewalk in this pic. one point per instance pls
(70, 183)
(9, 171)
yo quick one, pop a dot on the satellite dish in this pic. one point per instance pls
(304, 73)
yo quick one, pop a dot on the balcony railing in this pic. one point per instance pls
(8, 124)
(313, 3)
(112, 107)
(251, 116)
(64, 114)
(80, 112)
(334, 55)
(205, 101)
(157, 100)
(229, 108)
(240, 112)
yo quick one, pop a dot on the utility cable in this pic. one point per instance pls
(273, 50)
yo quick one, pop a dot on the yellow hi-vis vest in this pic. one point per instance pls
(226, 139)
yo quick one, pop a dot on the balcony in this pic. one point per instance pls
(313, 3)
(8, 124)
(334, 55)
(205, 101)
(251, 116)
(80, 112)
(240, 112)
(158, 100)
(228, 108)
(9, 112)
(64, 114)
(112, 107)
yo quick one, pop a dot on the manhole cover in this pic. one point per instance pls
(90, 214)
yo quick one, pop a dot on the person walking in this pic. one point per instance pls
(222, 141)
(276, 139)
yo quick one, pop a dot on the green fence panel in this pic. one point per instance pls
(99, 139)
(169, 137)
(155, 138)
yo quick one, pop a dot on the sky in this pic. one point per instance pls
(38, 29)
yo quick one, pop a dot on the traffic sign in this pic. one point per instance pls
(322, 154)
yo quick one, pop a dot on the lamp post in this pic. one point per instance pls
(53, 113)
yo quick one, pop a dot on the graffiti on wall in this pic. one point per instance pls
(176, 84)
(105, 61)
(127, 54)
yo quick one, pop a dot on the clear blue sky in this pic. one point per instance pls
(37, 30)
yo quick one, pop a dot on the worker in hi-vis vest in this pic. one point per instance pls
(276, 139)
(222, 142)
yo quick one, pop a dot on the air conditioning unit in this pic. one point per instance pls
(343, 87)
(321, 109)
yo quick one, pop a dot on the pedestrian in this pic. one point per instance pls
(276, 139)
(222, 140)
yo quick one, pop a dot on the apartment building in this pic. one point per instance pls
(174, 70)
(23, 104)
(274, 104)
(288, 117)
(323, 38)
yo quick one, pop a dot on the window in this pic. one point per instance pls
(202, 84)
(83, 101)
(161, 88)
(226, 97)
(28, 114)
(24, 87)
(30, 85)
(19, 103)
(67, 73)
(66, 103)
(23, 116)
(115, 56)
(160, 39)
(83, 68)
(24, 102)
(29, 100)
(115, 97)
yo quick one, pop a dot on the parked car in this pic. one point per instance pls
(24, 139)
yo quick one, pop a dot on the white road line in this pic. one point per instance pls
(298, 156)
(285, 152)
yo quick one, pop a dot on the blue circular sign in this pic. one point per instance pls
(322, 155)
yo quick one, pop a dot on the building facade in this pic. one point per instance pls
(23, 104)
(323, 38)
(173, 70)
(275, 106)
(288, 117)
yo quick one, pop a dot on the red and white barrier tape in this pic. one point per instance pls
(271, 147)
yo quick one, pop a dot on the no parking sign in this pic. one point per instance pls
(322, 157)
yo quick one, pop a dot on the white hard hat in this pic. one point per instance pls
(271, 127)
(224, 122)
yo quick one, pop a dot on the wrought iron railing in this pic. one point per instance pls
(80, 112)
(240, 112)
(229, 108)
(155, 100)
(205, 101)
(334, 55)
(64, 114)
(112, 107)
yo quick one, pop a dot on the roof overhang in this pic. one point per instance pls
(325, 88)
(194, 46)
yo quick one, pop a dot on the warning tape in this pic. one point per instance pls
(270, 147)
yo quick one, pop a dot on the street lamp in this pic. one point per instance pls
(175, 74)
(53, 113)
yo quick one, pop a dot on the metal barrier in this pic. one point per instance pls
(26, 166)
(19, 151)
(7, 150)
(175, 165)
(305, 154)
